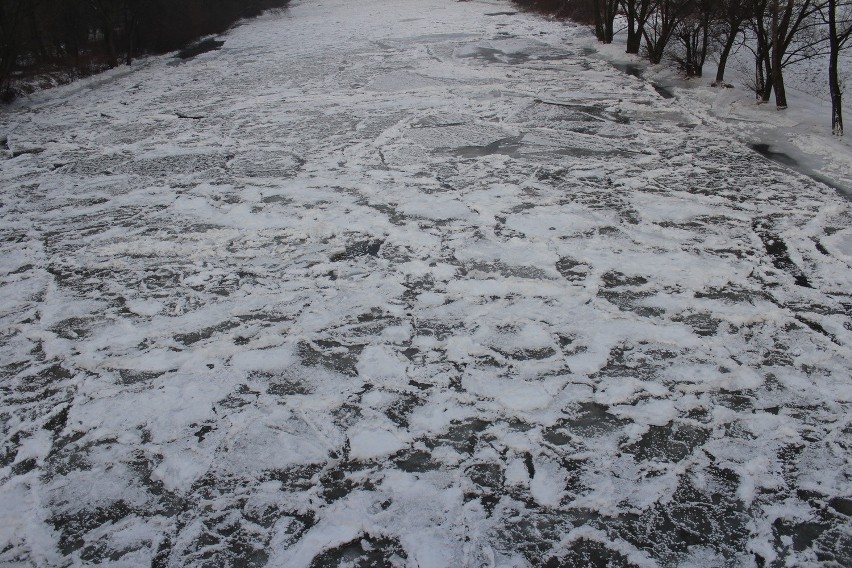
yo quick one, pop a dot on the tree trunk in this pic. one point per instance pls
(109, 45)
(637, 16)
(777, 52)
(723, 57)
(130, 30)
(705, 42)
(609, 24)
(833, 81)
(633, 35)
(763, 69)
(599, 21)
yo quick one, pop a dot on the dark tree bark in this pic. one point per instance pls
(777, 55)
(732, 17)
(694, 36)
(605, 12)
(762, 52)
(637, 12)
(667, 15)
(790, 37)
(838, 36)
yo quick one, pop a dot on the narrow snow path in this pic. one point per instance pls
(414, 283)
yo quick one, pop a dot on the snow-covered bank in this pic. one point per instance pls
(414, 283)
(798, 137)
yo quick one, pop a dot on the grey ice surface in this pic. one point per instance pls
(413, 283)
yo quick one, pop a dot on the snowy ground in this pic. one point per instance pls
(414, 283)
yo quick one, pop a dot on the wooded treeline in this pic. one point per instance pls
(80, 37)
(778, 33)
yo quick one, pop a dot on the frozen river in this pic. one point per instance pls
(413, 283)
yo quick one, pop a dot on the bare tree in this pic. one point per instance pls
(605, 12)
(731, 17)
(693, 34)
(838, 17)
(662, 24)
(637, 12)
(787, 31)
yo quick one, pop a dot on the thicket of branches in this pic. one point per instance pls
(778, 32)
(80, 37)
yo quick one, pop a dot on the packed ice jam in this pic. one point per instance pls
(396, 283)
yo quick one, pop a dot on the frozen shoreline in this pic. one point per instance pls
(798, 137)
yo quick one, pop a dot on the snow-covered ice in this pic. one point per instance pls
(414, 283)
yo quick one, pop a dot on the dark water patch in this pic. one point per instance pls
(134, 376)
(293, 477)
(500, 13)
(664, 92)
(47, 376)
(802, 534)
(202, 432)
(703, 324)
(438, 329)
(631, 301)
(434, 122)
(189, 116)
(73, 527)
(57, 422)
(282, 199)
(708, 516)
(637, 71)
(534, 53)
(243, 396)
(789, 161)
(363, 552)
(776, 248)
(416, 461)
(24, 467)
(589, 554)
(527, 354)
(357, 249)
(593, 419)
(671, 443)
(586, 113)
(486, 475)
(281, 386)
(734, 400)
(463, 436)
(732, 293)
(508, 146)
(200, 47)
(338, 482)
(842, 505)
(572, 270)
(508, 271)
(615, 279)
(206, 333)
(492, 55)
(631, 69)
(25, 151)
(817, 328)
(331, 355)
(532, 531)
(780, 157)
(400, 409)
(74, 328)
